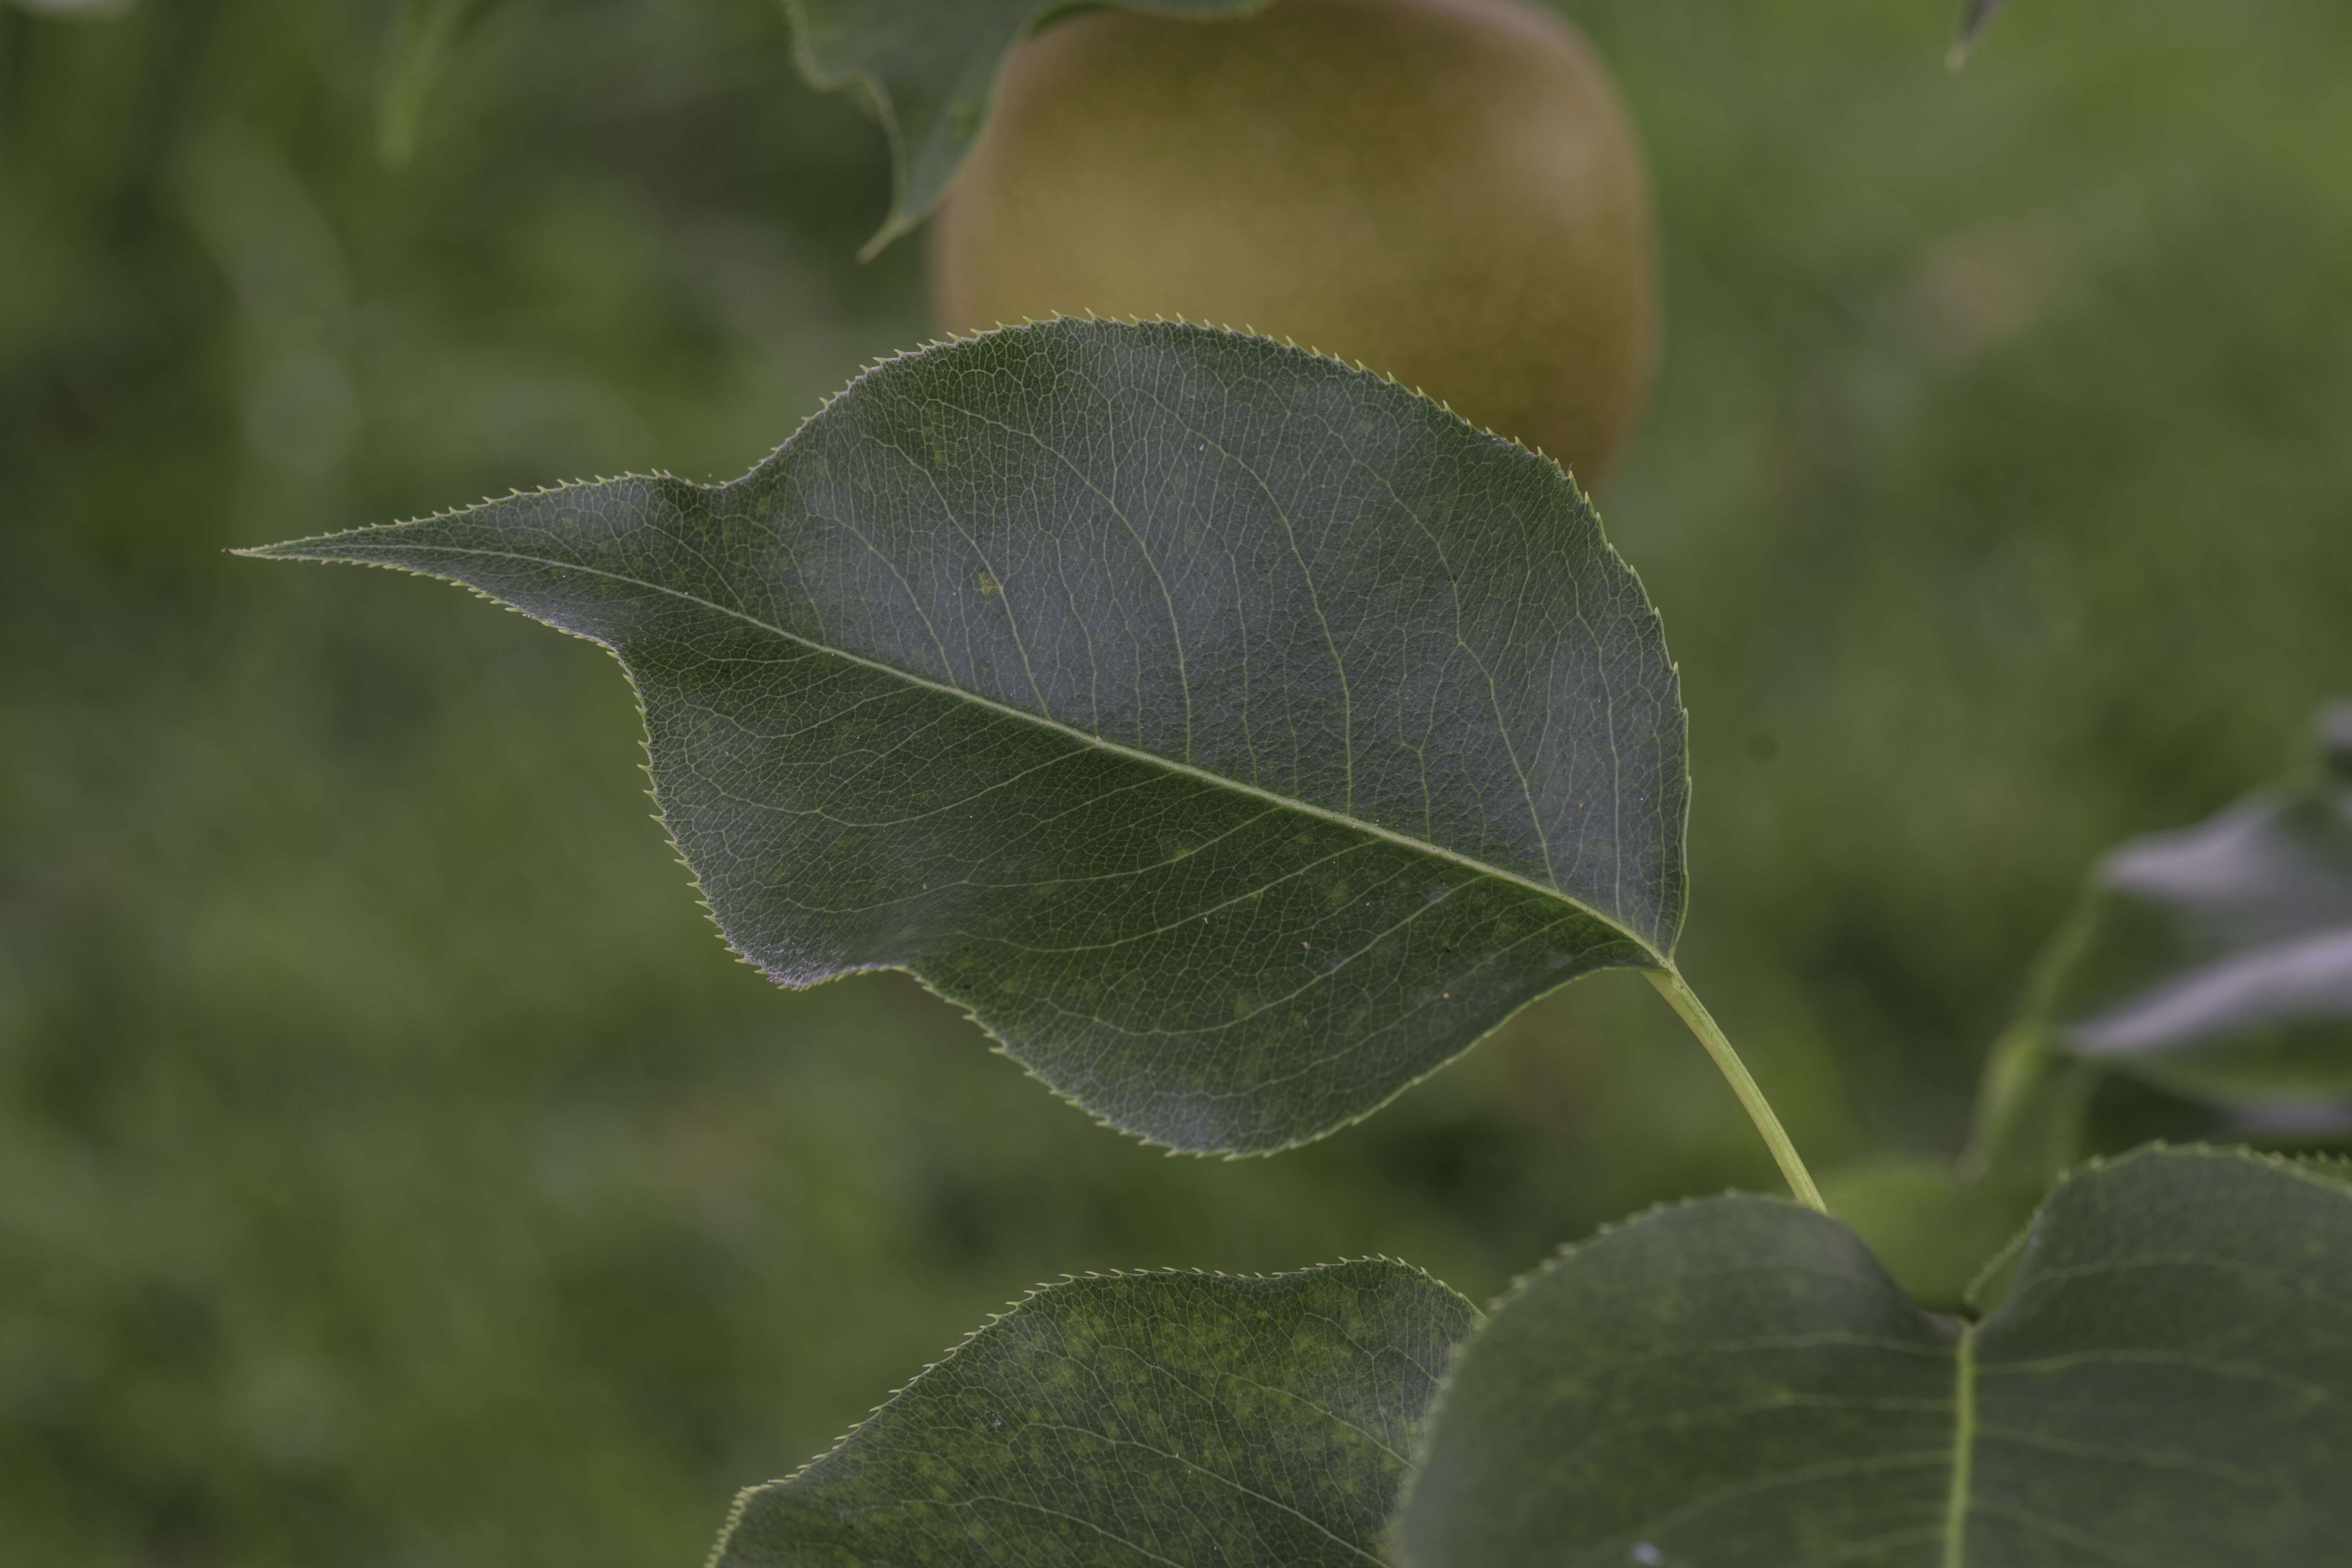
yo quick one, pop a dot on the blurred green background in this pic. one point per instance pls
(393, 1167)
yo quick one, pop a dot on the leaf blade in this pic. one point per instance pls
(1763, 1298)
(1239, 736)
(1139, 1418)
(2199, 1376)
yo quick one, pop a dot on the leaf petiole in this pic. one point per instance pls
(1693, 1012)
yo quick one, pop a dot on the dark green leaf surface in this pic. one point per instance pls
(1736, 1384)
(2217, 961)
(931, 67)
(1238, 735)
(1163, 1419)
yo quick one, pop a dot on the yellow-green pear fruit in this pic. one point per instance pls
(1448, 191)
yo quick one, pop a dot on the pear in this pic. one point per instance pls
(1450, 192)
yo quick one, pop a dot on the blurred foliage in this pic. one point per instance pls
(395, 1169)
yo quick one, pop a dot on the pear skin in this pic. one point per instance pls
(1450, 192)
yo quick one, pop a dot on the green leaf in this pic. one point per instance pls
(2217, 962)
(1736, 1384)
(930, 68)
(1145, 1419)
(1239, 736)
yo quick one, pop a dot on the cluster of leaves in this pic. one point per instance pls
(1239, 737)
(2213, 965)
(1733, 1381)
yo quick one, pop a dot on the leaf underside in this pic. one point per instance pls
(931, 67)
(2217, 961)
(1142, 1420)
(1239, 736)
(1736, 1383)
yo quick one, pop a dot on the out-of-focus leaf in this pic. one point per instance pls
(1239, 736)
(1144, 1419)
(1736, 1383)
(1974, 17)
(1932, 1227)
(2216, 961)
(2030, 1113)
(930, 67)
(424, 34)
(79, 10)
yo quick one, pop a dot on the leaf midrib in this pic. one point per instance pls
(1042, 721)
(1964, 1443)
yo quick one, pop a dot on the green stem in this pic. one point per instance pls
(1688, 1006)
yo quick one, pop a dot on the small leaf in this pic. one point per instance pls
(1736, 1383)
(930, 67)
(1239, 736)
(2217, 962)
(1136, 1419)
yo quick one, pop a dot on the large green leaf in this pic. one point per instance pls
(1144, 1419)
(2217, 962)
(930, 67)
(1239, 736)
(1736, 1384)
